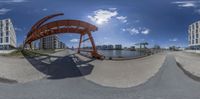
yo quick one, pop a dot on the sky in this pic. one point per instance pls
(126, 22)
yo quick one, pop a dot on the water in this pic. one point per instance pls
(120, 53)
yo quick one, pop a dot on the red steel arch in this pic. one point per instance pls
(40, 30)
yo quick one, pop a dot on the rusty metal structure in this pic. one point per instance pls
(41, 29)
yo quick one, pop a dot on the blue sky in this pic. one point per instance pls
(126, 22)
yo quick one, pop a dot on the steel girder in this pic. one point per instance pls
(40, 30)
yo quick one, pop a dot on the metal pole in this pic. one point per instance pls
(80, 43)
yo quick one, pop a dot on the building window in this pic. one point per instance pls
(7, 40)
(196, 41)
(7, 23)
(192, 36)
(7, 28)
(1, 40)
(7, 33)
(197, 35)
(193, 26)
(197, 25)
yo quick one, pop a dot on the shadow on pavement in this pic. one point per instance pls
(63, 67)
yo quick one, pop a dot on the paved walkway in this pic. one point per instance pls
(189, 61)
(22, 70)
(18, 69)
(126, 73)
(169, 83)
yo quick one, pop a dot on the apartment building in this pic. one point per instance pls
(193, 35)
(51, 42)
(7, 35)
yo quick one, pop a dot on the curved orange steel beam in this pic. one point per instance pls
(43, 20)
(61, 26)
(40, 22)
(39, 31)
(45, 33)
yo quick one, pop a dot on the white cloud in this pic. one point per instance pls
(132, 31)
(195, 4)
(173, 39)
(103, 16)
(44, 9)
(139, 30)
(145, 31)
(113, 9)
(74, 40)
(186, 4)
(4, 11)
(12, 1)
(18, 29)
(123, 30)
(122, 18)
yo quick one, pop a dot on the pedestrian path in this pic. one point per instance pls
(126, 73)
(170, 82)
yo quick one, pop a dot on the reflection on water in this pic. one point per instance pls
(120, 53)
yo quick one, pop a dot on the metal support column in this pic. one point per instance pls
(80, 42)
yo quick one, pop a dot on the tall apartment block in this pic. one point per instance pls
(61, 45)
(51, 42)
(193, 37)
(7, 35)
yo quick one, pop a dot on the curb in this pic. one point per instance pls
(131, 58)
(189, 74)
(8, 81)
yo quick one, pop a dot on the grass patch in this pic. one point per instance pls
(14, 53)
(49, 51)
(28, 53)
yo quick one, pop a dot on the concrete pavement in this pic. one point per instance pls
(190, 63)
(22, 69)
(18, 70)
(169, 83)
(126, 73)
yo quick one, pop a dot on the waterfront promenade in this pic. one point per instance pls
(107, 72)
(125, 73)
(190, 63)
(169, 82)
(18, 69)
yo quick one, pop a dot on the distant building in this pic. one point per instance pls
(118, 47)
(99, 47)
(7, 35)
(132, 48)
(34, 45)
(49, 42)
(193, 35)
(104, 47)
(61, 45)
(110, 47)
